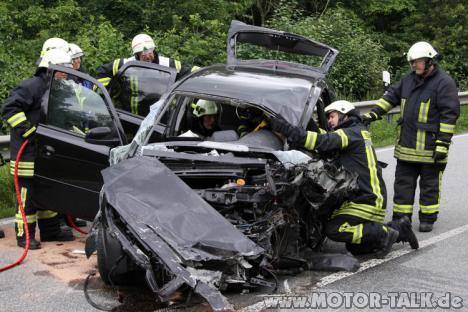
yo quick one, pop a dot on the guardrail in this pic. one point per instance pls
(364, 107)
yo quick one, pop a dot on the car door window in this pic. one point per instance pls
(76, 108)
(136, 88)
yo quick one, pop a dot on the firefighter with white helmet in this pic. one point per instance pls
(76, 54)
(22, 112)
(359, 220)
(143, 49)
(430, 107)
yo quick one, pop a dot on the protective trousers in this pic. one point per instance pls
(430, 182)
(360, 235)
(48, 221)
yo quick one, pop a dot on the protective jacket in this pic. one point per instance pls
(22, 112)
(352, 143)
(429, 110)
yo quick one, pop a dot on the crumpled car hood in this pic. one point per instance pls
(152, 198)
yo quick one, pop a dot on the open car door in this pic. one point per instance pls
(78, 127)
(283, 51)
(136, 87)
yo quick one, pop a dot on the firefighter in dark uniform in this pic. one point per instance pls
(22, 112)
(429, 107)
(358, 221)
(143, 48)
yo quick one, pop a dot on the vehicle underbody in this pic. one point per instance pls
(223, 219)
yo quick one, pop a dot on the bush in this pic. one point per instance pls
(358, 69)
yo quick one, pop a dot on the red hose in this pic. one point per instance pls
(23, 214)
(73, 225)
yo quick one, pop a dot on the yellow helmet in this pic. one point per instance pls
(204, 107)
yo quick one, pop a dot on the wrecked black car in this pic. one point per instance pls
(224, 211)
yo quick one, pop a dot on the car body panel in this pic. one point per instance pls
(278, 41)
(285, 95)
(170, 208)
(67, 168)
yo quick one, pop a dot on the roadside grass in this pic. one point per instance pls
(383, 134)
(7, 194)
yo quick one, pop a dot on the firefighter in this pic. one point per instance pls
(251, 119)
(429, 108)
(206, 113)
(143, 48)
(76, 53)
(358, 221)
(22, 112)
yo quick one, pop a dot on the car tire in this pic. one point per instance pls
(111, 259)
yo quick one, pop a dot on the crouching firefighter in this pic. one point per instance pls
(22, 112)
(358, 222)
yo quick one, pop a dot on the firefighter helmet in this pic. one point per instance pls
(341, 106)
(56, 56)
(419, 50)
(75, 51)
(141, 43)
(204, 107)
(54, 43)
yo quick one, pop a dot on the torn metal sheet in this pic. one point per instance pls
(148, 194)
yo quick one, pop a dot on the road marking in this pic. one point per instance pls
(332, 278)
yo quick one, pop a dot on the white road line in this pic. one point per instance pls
(370, 264)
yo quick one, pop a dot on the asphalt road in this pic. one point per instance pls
(406, 278)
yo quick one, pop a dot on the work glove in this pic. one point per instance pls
(295, 135)
(370, 117)
(441, 151)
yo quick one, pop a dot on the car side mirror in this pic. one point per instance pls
(386, 79)
(102, 136)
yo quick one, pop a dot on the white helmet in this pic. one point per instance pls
(75, 51)
(341, 106)
(54, 43)
(204, 107)
(419, 50)
(141, 43)
(56, 56)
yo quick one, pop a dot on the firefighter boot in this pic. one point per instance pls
(425, 227)
(51, 231)
(63, 235)
(388, 240)
(21, 237)
(405, 230)
(2, 234)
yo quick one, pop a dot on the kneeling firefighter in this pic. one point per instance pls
(359, 220)
(22, 112)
